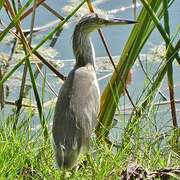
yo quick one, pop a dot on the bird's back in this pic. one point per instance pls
(75, 114)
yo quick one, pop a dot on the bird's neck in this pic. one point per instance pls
(83, 49)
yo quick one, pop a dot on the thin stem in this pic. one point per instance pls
(1, 91)
(39, 2)
(110, 56)
(7, 75)
(149, 79)
(55, 13)
(170, 67)
(23, 82)
(160, 28)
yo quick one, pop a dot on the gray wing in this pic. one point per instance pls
(76, 109)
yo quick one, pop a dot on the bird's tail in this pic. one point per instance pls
(65, 158)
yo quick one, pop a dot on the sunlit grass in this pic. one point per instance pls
(25, 154)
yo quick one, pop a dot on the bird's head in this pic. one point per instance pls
(93, 21)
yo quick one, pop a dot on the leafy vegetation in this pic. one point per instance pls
(24, 154)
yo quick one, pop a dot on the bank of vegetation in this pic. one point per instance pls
(143, 149)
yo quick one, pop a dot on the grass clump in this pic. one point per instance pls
(25, 154)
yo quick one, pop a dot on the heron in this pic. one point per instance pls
(78, 102)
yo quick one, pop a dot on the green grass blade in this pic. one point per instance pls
(170, 67)
(157, 82)
(1, 4)
(141, 108)
(135, 43)
(41, 116)
(15, 20)
(159, 27)
(59, 26)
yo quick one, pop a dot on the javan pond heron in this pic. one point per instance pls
(78, 102)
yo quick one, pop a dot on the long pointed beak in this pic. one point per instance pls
(114, 21)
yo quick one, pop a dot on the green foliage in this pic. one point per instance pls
(15, 20)
(9, 74)
(1, 4)
(148, 19)
(25, 155)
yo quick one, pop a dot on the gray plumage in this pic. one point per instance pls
(78, 102)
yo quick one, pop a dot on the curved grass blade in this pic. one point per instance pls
(148, 99)
(136, 40)
(157, 81)
(170, 67)
(59, 26)
(15, 20)
(1, 4)
(42, 118)
(162, 31)
(135, 43)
